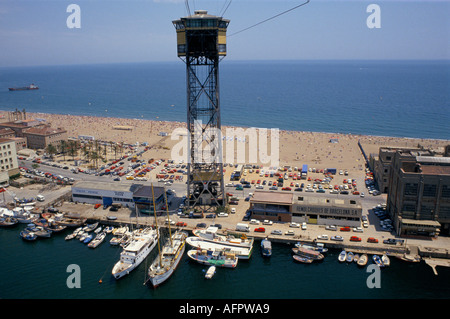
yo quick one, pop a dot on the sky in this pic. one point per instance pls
(35, 32)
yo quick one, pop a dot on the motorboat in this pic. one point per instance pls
(219, 258)
(342, 256)
(97, 240)
(88, 239)
(210, 272)
(362, 261)
(378, 261)
(209, 239)
(90, 227)
(109, 229)
(350, 256)
(135, 251)
(356, 258)
(386, 261)
(266, 247)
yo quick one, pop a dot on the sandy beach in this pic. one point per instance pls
(295, 147)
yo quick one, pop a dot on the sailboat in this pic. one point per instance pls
(169, 255)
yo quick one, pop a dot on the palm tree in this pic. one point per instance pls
(73, 149)
(63, 148)
(51, 150)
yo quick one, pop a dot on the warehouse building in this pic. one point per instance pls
(137, 196)
(290, 207)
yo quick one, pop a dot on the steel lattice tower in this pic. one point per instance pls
(201, 43)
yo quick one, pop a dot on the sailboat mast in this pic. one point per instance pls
(156, 223)
(168, 219)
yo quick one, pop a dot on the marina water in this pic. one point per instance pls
(38, 270)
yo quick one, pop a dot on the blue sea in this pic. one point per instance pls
(384, 98)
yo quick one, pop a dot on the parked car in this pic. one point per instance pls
(304, 226)
(355, 238)
(372, 240)
(181, 224)
(222, 214)
(276, 232)
(337, 238)
(323, 237)
(346, 228)
(260, 229)
(296, 225)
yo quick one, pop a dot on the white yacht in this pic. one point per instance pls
(209, 239)
(135, 251)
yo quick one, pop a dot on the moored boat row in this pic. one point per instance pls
(363, 259)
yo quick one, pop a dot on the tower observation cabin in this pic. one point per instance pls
(201, 35)
(201, 43)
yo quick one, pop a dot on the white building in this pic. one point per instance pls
(8, 160)
(104, 193)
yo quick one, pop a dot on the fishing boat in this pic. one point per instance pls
(7, 221)
(71, 222)
(135, 252)
(97, 240)
(320, 247)
(39, 231)
(28, 235)
(219, 258)
(308, 253)
(55, 227)
(362, 261)
(266, 247)
(342, 256)
(302, 259)
(209, 239)
(350, 256)
(98, 230)
(386, 261)
(378, 261)
(210, 272)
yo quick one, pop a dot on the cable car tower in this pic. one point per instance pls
(201, 44)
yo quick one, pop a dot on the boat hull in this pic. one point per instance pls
(241, 252)
(122, 269)
(159, 279)
(193, 254)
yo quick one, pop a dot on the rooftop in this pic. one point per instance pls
(272, 197)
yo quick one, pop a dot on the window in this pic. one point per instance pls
(429, 190)
(410, 189)
(445, 191)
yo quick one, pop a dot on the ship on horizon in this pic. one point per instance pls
(24, 88)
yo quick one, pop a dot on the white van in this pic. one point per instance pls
(40, 198)
(242, 227)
